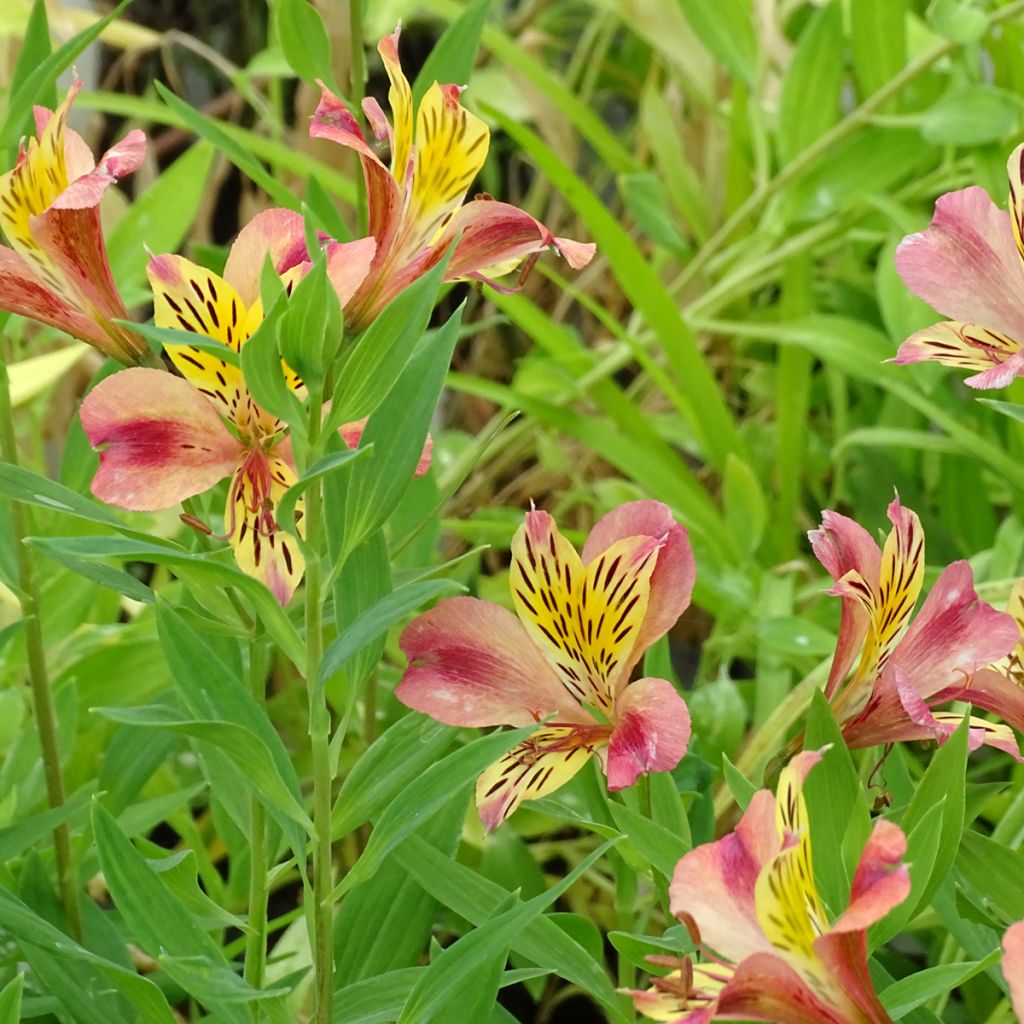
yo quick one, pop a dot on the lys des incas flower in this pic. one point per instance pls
(56, 269)
(768, 952)
(581, 624)
(906, 669)
(163, 439)
(416, 205)
(969, 265)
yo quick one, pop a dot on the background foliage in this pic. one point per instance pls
(746, 169)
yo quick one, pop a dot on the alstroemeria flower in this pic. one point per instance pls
(969, 265)
(415, 205)
(768, 950)
(56, 270)
(906, 669)
(583, 624)
(1013, 966)
(163, 438)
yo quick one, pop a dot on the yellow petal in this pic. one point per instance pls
(400, 98)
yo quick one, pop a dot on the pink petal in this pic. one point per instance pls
(1013, 965)
(73, 240)
(279, 234)
(652, 731)
(348, 263)
(471, 663)
(492, 234)
(22, 293)
(714, 884)
(351, 433)
(967, 347)
(333, 120)
(160, 441)
(1000, 376)
(87, 189)
(378, 121)
(880, 882)
(766, 988)
(954, 634)
(843, 546)
(674, 572)
(966, 264)
(993, 691)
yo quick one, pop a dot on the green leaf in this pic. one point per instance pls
(163, 927)
(393, 761)
(661, 848)
(379, 618)
(430, 791)
(809, 102)
(202, 566)
(309, 330)
(908, 993)
(746, 513)
(17, 839)
(34, 933)
(304, 40)
(477, 899)
(38, 84)
(206, 128)
(457, 962)
(993, 871)
(452, 57)
(742, 789)
(30, 488)
(878, 37)
(35, 48)
(962, 21)
(328, 465)
(242, 745)
(164, 336)
(727, 31)
(369, 369)
(398, 429)
(160, 218)
(971, 115)
(10, 996)
(644, 195)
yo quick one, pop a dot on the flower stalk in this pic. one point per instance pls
(42, 695)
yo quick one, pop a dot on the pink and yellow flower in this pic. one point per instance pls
(969, 265)
(416, 205)
(163, 439)
(768, 950)
(1013, 966)
(56, 270)
(581, 625)
(905, 668)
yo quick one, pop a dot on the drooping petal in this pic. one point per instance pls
(123, 158)
(1015, 173)
(967, 347)
(400, 100)
(277, 234)
(992, 690)
(472, 664)
(160, 442)
(451, 147)
(880, 882)
(966, 264)
(672, 581)
(844, 546)
(652, 730)
(351, 433)
(585, 620)
(1013, 965)
(539, 765)
(714, 883)
(22, 292)
(193, 298)
(262, 549)
(495, 237)
(955, 634)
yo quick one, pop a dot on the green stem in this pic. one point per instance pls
(259, 891)
(319, 736)
(357, 88)
(42, 695)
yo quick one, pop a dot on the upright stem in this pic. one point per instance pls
(256, 942)
(357, 87)
(42, 696)
(319, 736)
